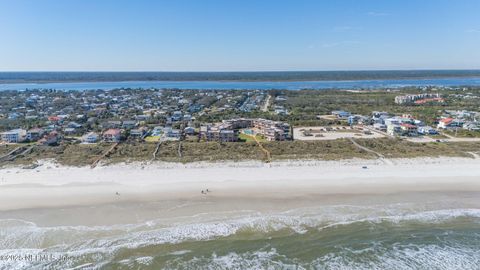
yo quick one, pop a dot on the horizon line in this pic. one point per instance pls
(238, 71)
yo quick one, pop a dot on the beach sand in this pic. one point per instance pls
(254, 216)
(51, 185)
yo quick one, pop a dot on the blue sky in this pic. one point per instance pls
(238, 35)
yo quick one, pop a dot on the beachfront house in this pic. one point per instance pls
(90, 137)
(112, 135)
(138, 133)
(170, 134)
(50, 139)
(14, 135)
(157, 131)
(35, 134)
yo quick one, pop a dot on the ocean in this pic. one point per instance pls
(425, 230)
(262, 85)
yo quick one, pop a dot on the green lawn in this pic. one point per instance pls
(152, 138)
(249, 138)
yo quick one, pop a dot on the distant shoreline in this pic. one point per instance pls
(269, 76)
(248, 84)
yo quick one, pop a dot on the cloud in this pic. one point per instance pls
(377, 14)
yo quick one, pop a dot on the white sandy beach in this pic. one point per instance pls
(75, 212)
(51, 185)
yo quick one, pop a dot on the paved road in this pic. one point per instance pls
(266, 104)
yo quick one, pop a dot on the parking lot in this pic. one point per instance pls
(333, 133)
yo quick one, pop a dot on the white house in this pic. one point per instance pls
(90, 137)
(14, 135)
(427, 130)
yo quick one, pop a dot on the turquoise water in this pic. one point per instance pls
(289, 85)
(248, 131)
(440, 232)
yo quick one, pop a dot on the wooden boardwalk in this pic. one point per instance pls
(155, 153)
(19, 151)
(179, 150)
(110, 150)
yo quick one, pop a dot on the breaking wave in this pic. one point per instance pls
(337, 237)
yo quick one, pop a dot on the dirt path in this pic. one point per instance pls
(380, 156)
(268, 157)
(459, 139)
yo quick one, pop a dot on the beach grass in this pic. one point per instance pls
(86, 154)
